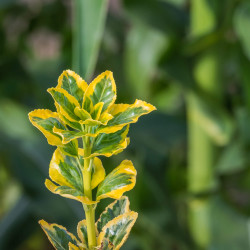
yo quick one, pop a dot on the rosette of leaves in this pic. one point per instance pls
(89, 113)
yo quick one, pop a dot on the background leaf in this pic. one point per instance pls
(89, 20)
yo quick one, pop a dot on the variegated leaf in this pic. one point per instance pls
(66, 103)
(68, 192)
(102, 89)
(45, 120)
(97, 110)
(68, 135)
(98, 173)
(120, 180)
(124, 114)
(82, 114)
(74, 247)
(66, 172)
(109, 144)
(88, 119)
(105, 118)
(71, 148)
(82, 232)
(73, 84)
(116, 208)
(91, 122)
(73, 124)
(116, 231)
(58, 235)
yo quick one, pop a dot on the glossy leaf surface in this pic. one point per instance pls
(66, 172)
(116, 208)
(45, 120)
(66, 102)
(125, 113)
(102, 89)
(58, 235)
(115, 233)
(70, 148)
(120, 180)
(73, 84)
(98, 173)
(82, 232)
(109, 144)
(48, 122)
(68, 135)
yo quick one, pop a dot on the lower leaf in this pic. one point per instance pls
(116, 231)
(82, 232)
(59, 237)
(120, 180)
(68, 192)
(115, 209)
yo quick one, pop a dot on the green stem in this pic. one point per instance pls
(89, 209)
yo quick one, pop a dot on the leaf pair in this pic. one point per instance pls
(113, 228)
(67, 172)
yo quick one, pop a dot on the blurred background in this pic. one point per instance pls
(191, 59)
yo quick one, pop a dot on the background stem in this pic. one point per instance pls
(201, 154)
(89, 22)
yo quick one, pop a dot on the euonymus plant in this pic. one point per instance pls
(89, 124)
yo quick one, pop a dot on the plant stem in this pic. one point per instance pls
(89, 209)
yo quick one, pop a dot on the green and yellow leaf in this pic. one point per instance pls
(98, 173)
(66, 172)
(105, 118)
(82, 232)
(116, 208)
(108, 130)
(124, 113)
(74, 247)
(109, 144)
(82, 114)
(71, 148)
(68, 192)
(86, 118)
(73, 124)
(66, 103)
(45, 120)
(101, 89)
(97, 110)
(116, 231)
(120, 180)
(58, 235)
(91, 122)
(68, 135)
(73, 84)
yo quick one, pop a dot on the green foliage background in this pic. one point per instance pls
(189, 59)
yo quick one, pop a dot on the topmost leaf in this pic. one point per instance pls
(101, 89)
(73, 84)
